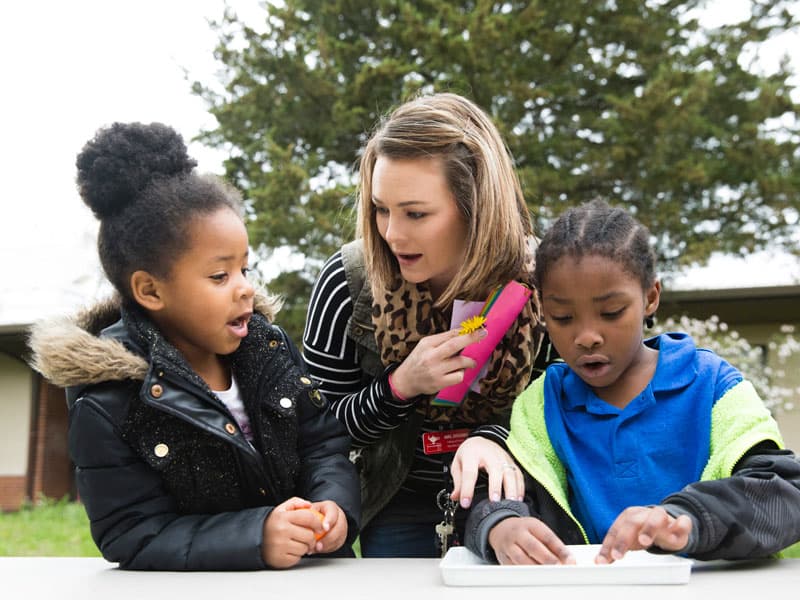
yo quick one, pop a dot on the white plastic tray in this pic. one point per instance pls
(461, 567)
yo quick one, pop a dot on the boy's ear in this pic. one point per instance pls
(146, 290)
(651, 298)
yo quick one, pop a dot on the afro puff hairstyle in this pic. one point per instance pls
(139, 181)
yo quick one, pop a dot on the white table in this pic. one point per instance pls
(355, 579)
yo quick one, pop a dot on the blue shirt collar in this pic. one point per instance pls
(675, 370)
(677, 361)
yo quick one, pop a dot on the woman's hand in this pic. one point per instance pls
(435, 363)
(528, 541)
(639, 527)
(479, 453)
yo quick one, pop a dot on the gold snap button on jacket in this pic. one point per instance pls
(161, 450)
(273, 343)
(230, 428)
(358, 331)
(316, 398)
(156, 391)
(305, 381)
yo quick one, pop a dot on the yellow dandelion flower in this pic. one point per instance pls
(471, 324)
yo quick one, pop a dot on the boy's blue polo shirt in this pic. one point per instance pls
(653, 447)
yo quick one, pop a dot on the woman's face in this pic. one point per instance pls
(417, 215)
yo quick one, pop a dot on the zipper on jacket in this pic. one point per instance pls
(567, 511)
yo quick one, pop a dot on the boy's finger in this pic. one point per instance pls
(604, 554)
(538, 552)
(674, 536)
(551, 542)
(657, 521)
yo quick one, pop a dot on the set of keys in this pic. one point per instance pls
(447, 527)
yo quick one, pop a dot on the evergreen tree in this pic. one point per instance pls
(630, 100)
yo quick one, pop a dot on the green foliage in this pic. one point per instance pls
(47, 528)
(750, 360)
(625, 99)
(791, 552)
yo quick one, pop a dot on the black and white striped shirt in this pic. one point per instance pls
(367, 408)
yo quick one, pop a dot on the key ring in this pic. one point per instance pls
(444, 501)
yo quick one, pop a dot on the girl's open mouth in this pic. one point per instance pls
(239, 326)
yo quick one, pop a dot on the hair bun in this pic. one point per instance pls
(123, 159)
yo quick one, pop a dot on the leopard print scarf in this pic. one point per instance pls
(405, 314)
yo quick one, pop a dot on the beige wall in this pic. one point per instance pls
(15, 415)
(790, 428)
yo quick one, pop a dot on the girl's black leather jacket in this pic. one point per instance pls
(166, 475)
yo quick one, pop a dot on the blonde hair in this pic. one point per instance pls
(481, 177)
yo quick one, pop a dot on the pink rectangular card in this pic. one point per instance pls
(501, 311)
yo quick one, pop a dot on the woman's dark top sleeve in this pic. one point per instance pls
(365, 406)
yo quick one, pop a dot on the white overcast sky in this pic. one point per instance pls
(72, 66)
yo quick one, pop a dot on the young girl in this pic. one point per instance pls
(633, 443)
(198, 439)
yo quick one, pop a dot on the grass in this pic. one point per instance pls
(47, 528)
(60, 528)
(791, 552)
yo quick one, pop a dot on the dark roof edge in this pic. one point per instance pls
(745, 293)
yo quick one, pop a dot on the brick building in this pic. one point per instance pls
(33, 444)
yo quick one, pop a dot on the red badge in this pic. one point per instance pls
(439, 442)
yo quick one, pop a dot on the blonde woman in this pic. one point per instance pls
(441, 217)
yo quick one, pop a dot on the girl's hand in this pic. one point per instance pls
(435, 363)
(527, 541)
(289, 533)
(639, 527)
(479, 453)
(333, 524)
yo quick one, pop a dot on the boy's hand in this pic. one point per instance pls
(333, 526)
(289, 533)
(639, 527)
(527, 541)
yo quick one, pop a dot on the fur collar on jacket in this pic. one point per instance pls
(68, 351)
